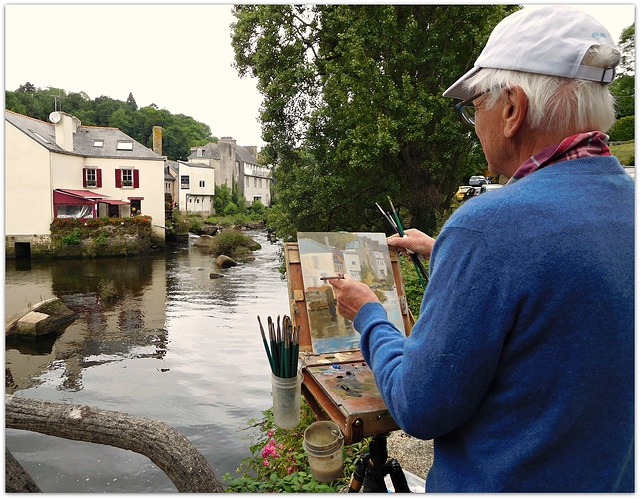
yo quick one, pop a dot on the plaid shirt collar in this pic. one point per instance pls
(582, 145)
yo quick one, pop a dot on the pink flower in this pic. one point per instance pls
(289, 470)
(272, 442)
(266, 463)
(270, 433)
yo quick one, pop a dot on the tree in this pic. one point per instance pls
(131, 102)
(353, 109)
(623, 87)
(627, 46)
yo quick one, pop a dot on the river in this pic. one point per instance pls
(174, 345)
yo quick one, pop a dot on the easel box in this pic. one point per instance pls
(340, 385)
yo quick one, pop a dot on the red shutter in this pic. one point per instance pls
(98, 178)
(118, 178)
(84, 177)
(136, 178)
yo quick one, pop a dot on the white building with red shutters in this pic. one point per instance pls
(63, 169)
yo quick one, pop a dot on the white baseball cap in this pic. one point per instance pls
(550, 40)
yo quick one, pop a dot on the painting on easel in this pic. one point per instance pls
(361, 256)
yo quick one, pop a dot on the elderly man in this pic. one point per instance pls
(521, 365)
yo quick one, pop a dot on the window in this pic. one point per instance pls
(92, 177)
(247, 181)
(255, 182)
(199, 153)
(124, 145)
(184, 181)
(202, 183)
(127, 177)
(98, 143)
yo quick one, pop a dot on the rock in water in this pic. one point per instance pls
(224, 262)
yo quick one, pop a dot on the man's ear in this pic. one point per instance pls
(515, 104)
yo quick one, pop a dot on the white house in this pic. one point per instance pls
(64, 169)
(236, 164)
(196, 187)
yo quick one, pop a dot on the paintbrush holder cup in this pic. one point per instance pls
(287, 393)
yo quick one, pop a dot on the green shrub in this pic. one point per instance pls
(71, 238)
(101, 240)
(230, 210)
(279, 463)
(623, 129)
(195, 222)
(257, 207)
(229, 240)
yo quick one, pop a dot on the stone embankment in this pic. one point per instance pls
(39, 319)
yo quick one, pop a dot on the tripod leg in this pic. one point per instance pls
(398, 478)
(358, 474)
(374, 476)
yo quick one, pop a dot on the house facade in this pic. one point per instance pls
(196, 187)
(236, 164)
(62, 169)
(170, 182)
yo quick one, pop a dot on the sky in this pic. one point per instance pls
(178, 57)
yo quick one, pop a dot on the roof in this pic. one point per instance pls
(83, 194)
(83, 140)
(196, 165)
(210, 151)
(170, 169)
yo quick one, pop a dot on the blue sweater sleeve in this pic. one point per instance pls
(435, 379)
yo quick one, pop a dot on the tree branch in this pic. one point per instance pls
(164, 445)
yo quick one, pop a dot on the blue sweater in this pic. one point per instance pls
(521, 365)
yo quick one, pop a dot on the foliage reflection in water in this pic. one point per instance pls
(156, 337)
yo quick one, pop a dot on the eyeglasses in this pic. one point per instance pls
(467, 110)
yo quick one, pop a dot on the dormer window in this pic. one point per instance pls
(124, 145)
(199, 153)
(98, 143)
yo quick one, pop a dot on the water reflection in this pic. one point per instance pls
(120, 307)
(155, 337)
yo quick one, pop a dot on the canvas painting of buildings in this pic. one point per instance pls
(361, 256)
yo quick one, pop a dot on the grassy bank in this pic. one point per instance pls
(624, 151)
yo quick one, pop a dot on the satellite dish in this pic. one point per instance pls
(54, 117)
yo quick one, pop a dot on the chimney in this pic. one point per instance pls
(65, 126)
(157, 140)
(229, 140)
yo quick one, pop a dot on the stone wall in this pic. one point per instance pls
(90, 238)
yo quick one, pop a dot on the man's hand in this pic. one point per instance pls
(351, 295)
(415, 241)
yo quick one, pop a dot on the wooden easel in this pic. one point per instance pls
(340, 385)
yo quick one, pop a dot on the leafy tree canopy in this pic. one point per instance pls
(179, 134)
(353, 109)
(623, 87)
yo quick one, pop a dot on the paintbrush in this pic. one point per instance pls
(266, 346)
(420, 270)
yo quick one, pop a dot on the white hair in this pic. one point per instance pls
(557, 104)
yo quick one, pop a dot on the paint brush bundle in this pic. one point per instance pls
(282, 346)
(394, 221)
